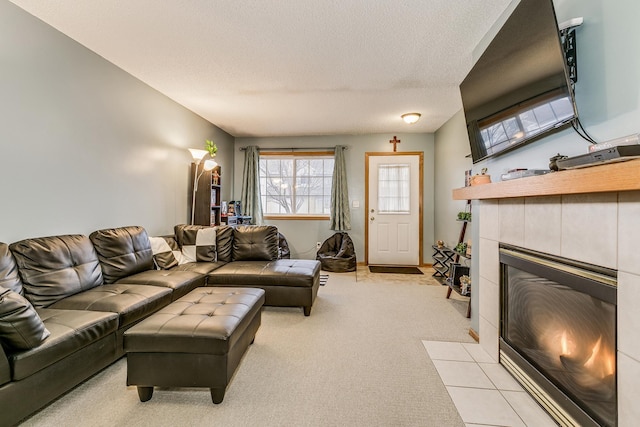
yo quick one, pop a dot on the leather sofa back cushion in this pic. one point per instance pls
(9, 278)
(20, 326)
(224, 239)
(53, 268)
(224, 243)
(255, 243)
(122, 251)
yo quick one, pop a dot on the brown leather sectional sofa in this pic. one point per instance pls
(66, 301)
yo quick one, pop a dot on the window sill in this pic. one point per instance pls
(297, 217)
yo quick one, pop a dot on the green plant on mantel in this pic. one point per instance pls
(211, 148)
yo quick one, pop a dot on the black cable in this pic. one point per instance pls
(586, 133)
(577, 126)
(577, 130)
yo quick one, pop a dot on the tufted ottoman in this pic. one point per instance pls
(196, 341)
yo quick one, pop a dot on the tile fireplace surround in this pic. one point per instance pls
(590, 215)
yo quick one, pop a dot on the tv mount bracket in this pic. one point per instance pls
(568, 39)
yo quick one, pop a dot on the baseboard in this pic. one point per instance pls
(363, 264)
(474, 335)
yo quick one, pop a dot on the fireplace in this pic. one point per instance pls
(558, 334)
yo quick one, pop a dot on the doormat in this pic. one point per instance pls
(394, 270)
(324, 278)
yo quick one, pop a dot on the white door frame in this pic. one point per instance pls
(420, 200)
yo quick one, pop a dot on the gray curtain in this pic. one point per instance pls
(340, 213)
(250, 199)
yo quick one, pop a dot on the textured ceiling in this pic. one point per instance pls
(289, 67)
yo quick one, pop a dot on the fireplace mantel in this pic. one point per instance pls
(613, 177)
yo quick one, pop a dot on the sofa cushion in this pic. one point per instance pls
(200, 267)
(53, 268)
(71, 330)
(166, 252)
(9, 278)
(255, 243)
(131, 302)
(224, 243)
(283, 273)
(180, 282)
(199, 245)
(122, 251)
(5, 368)
(20, 326)
(224, 239)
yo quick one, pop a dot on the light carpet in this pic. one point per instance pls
(358, 360)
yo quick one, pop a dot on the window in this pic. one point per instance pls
(394, 187)
(296, 185)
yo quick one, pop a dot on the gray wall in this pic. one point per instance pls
(302, 235)
(607, 96)
(452, 147)
(84, 145)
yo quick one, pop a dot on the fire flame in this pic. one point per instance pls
(600, 363)
(564, 344)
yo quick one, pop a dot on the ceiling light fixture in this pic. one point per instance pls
(411, 118)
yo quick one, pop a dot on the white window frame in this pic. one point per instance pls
(267, 185)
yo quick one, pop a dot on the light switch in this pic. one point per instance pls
(356, 203)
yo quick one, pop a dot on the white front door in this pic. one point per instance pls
(394, 208)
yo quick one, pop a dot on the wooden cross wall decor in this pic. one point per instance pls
(394, 141)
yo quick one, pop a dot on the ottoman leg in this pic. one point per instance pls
(217, 395)
(145, 393)
(307, 310)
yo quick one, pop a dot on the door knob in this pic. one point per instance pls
(373, 210)
(372, 218)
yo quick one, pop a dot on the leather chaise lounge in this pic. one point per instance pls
(66, 301)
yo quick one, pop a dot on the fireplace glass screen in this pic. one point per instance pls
(564, 326)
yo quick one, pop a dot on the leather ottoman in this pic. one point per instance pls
(196, 341)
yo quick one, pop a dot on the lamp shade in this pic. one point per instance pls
(411, 118)
(209, 165)
(197, 154)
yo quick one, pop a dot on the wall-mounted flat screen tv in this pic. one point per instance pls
(518, 90)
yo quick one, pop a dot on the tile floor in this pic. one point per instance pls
(484, 393)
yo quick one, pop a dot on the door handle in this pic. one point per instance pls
(373, 210)
(372, 218)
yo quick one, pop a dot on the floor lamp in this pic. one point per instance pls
(198, 155)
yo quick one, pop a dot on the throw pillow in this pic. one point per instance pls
(20, 326)
(166, 253)
(199, 245)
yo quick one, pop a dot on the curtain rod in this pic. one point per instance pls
(296, 148)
